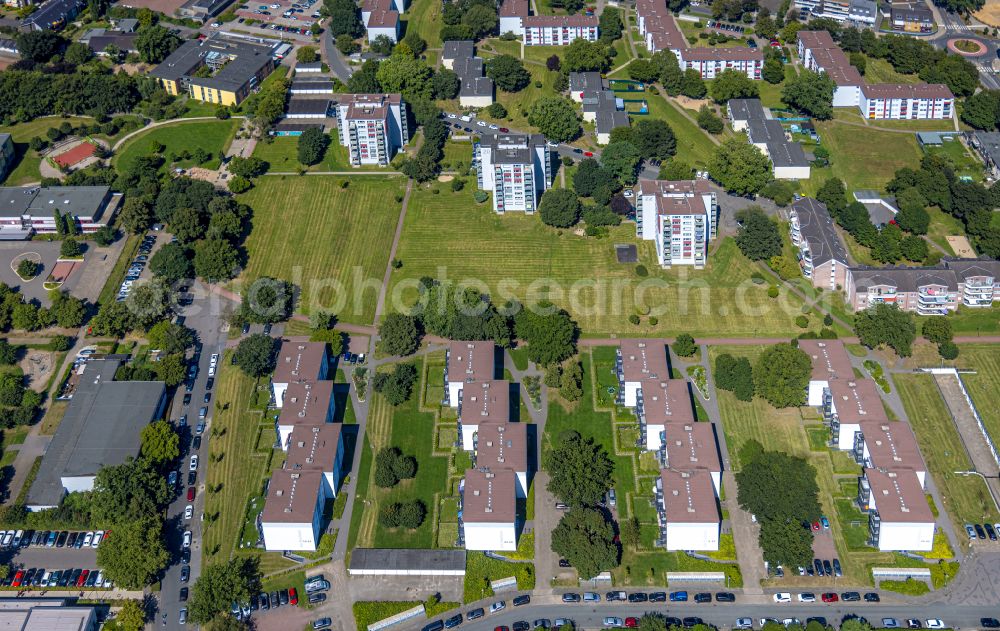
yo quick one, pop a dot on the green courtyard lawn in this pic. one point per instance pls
(982, 385)
(281, 153)
(417, 428)
(966, 165)
(770, 94)
(424, 16)
(965, 498)
(498, 46)
(881, 71)
(213, 136)
(852, 114)
(694, 145)
(943, 225)
(28, 161)
(515, 251)
(244, 435)
(862, 158)
(457, 153)
(518, 104)
(332, 242)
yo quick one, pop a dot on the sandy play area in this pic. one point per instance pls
(38, 366)
(961, 247)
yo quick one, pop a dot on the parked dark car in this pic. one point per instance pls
(990, 532)
(672, 622)
(182, 596)
(523, 599)
(453, 622)
(827, 567)
(317, 597)
(563, 563)
(692, 621)
(989, 623)
(837, 571)
(872, 597)
(637, 597)
(658, 597)
(980, 532)
(819, 567)
(850, 597)
(521, 625)
(725, 597)
(475, 614)
(437, 625)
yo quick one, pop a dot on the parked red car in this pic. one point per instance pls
(830, 597)
(17, 579)
(293, 596)
(83, 578)
(589, 154)
(631, 623)
(191, 493)
(815, 525)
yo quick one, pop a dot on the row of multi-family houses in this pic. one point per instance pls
(819, 53)
(788, 160)
(475, 89)
(891, 487)
(545, 30)
(686, 493)
(680, 218)
(933, 290)
(599, 104)
(488, 516)
(660, 32)
(301, 391)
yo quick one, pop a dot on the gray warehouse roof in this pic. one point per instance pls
(787, 154)
(412, 560)
(101, 427)
(746, 109)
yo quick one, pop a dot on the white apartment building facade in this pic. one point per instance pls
(516, 168)
(373, 127)
(679, 218)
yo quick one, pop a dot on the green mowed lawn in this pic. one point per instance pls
(770, 94)
(282, 154)
(965, 163)
(966, 498)
(943, 225)
(983, 384)
(412, 430)
(212, 136)
(694, 146)
(515, 253)
(332, 242)
(881, 71)
(27, 160)
(424, 16)
(862, 158)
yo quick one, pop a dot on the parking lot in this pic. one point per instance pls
(52, 559)
(293, 15)
(138, 268)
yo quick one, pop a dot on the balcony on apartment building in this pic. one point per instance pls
(874, 528)
(978, 293)
(661, 517)
(640, 413)
(882, 296)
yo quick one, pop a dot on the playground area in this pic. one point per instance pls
(74, 154)
(961, 247)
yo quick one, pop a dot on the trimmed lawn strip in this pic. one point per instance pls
(480, 570)
(881, 71)
(693, 144)
(982, 385)
(213, 136)
(521, 250)
(282, 154)
(943, 225)
(966, 498)
(320, 236)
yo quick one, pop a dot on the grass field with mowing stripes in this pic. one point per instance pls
(212, 136)
(965, 498)
(332, 242)
(450, 235)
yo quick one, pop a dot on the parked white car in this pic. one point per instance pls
(188, 511)
(782, 597)
(98, 536)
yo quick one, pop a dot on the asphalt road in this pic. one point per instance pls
(724, 616)
(204, 317)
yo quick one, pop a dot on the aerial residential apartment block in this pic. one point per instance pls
(482, 402)
(822, 255)
(600, 105)
(820, 53)
(476, 89)
(688, 510)
(889, 445)
(298, 362)
(467, 362)
(659, 30)
(235, 68)
(381, 17)
(787, 158)
(545, 30)
(638, 362)
(934, 290)
(504, 446)
(661, 405)
(373, 127)
(899, 517)
(679, 217)
(489, 509)
(693, 447)
(517, 168)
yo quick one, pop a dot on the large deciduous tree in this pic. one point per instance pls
(733, 84)
(586, 539)
(758, 237)
(781, 375)
(399, 334)
(555, 118)
(135, 555)
(580, 471)
(255, 354)
(740, 167)
(884, 324)
(155, 43)
(508, 73)
(220, 584)
(812, 93)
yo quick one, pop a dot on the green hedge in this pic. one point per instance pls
(909, 587)
(480, 570)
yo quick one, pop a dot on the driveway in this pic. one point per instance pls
(46, 252)
(53, 558)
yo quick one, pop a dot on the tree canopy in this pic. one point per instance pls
(580, 471)
(886, 324)
(586, 539)
(255, 354)
(160, 444)
(733, 84)
(399, 334)
(550, 333)
(555, 117)
(740, 167)
(221, 584)
(810, 92)
(781, 375)
(759, 238)
(508, 73)
(559, 208)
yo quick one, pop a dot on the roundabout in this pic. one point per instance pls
(967, 47)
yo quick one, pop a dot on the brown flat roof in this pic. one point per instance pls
(691, 446)
(857, 401)
(817, 39)
(644, 359)
(729, 53)
(689, 497)
(313, 447)
(489, 496)
(298, 361)
(514, 8)
(484, 401)
(502, 446)
(907, 91)
(689, 205)
(471, 361)
(829, 359)
(892, 445)
(292, 496)
(667, 402)
(898, 496)
(306, 403)
(544, 21)
(673, 187)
